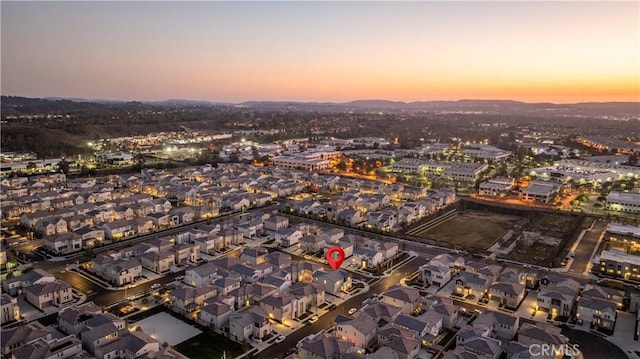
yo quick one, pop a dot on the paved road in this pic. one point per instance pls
(104, 297)
(328, 320)
(594, 346)
(585, 248)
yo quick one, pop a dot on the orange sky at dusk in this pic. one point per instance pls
(312, 51)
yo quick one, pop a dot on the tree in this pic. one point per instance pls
(64, 166)
(633, 160)
(10, 275)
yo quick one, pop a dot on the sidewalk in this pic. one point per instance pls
(291, 326)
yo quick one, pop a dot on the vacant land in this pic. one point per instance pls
(207, 346)
(166, 328)
(472, 229)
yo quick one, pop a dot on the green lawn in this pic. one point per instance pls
(209, 346)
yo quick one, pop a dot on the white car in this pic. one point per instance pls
(256, 339)
(280, 338)
(155, 286)
(352, 310)
(313, 319)
(179, 277)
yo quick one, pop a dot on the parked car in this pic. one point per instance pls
(313, 319)
(179, 277)
(290, 351)
(255, 339)
(352, 310)
(332, 307)
(280, 338)
(155, 285)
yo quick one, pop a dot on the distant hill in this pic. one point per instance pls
(504, 107)
(12, 104)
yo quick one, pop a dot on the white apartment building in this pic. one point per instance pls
(623, 202)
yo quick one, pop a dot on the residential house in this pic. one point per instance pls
(557, 295)
(163, 220)
(597, 312)
(382, 312)
(57, 348)
(279, 260)
(247, 322)
(185, 253)
(365, 258)
(474, 340)
(308, 295)
(19, 336)
(119, 229)
(352, 217)
(201, 275)
(215, 315)
(158, 262)
(509, 295)
(248, 294)
(279, 279)
(449, 313)
(288, 237)
(135, 344)
(312, 244)
(360, 331)
(471, 284)
(334, 282)
(187, 299)
(282, 307)
(63, 243)
(542, 334)
(427, 325)
(401, 347)
(604, 293)
(55, 293)
(122, 271)
(406, 298)
(228, 283)
(324, 345)
(276, 223)
(15, 285)
(72, 319)
(9, 308)
(503, 326)
(51, 226)
(90, 235)
(254, 256)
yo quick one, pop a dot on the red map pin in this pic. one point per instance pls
(335, 257)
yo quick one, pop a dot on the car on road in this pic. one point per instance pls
(313, 319)
(280, 338)
(352, 310)
(333, 306)
(290, 351)
(179, 277)
(255, 339)
(155, 286)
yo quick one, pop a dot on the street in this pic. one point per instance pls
(328, 320)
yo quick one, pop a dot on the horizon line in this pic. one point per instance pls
(77, 98)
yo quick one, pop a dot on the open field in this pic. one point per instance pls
(206, 346)
(166, 328)
(472, 229)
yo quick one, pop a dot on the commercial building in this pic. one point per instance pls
(301, 163)
(618, 264)
(625, 235)
(499, 186)
(540, 191)
(623, 202)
